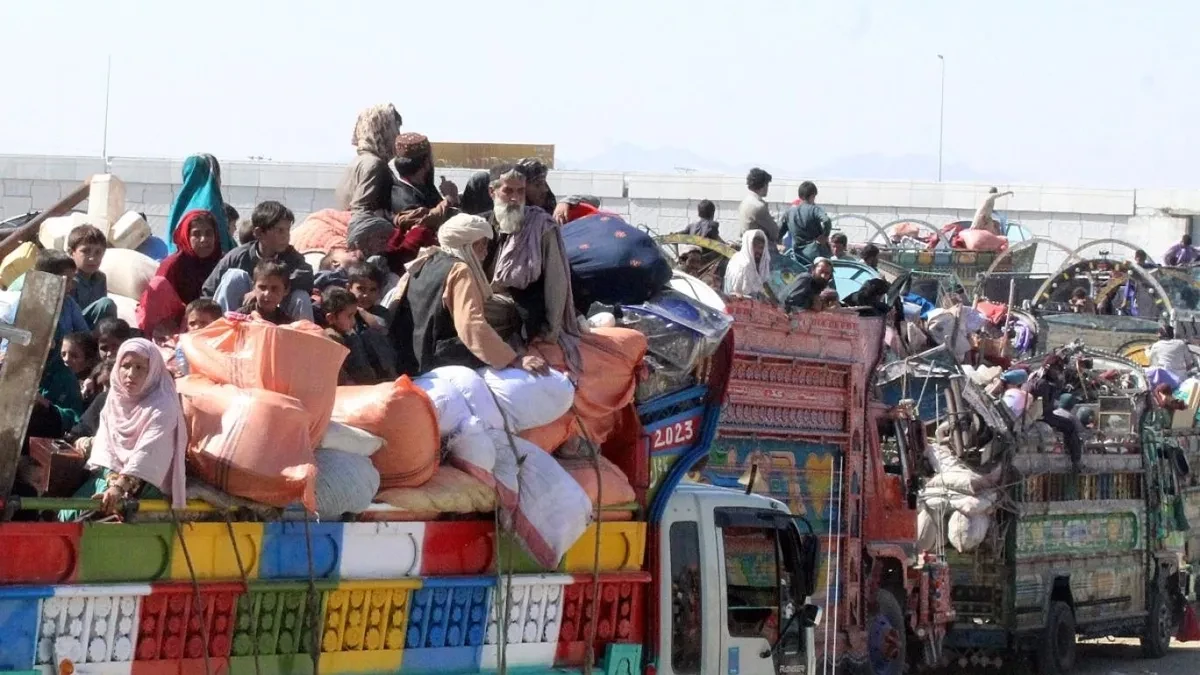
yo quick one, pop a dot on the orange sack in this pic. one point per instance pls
(402, 414)
(612, 359)
(321, 231)
(251, 443)
(295, 360)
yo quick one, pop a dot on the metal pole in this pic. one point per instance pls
(941, 116)
(107, 90)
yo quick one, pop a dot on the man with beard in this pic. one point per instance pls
(418, 206)
(529, 264)
(806, 290)
(538, 193)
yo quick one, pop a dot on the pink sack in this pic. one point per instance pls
(251, 443)
(982, 240)
(321, 231)
(296, 360)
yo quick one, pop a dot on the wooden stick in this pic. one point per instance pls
(21, 374)
(29, 230)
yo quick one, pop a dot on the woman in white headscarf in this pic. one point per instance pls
(440, 319)
(749, 268)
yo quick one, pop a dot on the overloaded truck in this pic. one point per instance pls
(1072, 549)
(699, 580)
(802, 425)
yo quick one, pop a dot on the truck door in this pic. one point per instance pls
(762, 593)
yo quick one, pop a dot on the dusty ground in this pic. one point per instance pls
(1122, 657)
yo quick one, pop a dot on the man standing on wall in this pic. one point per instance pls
(983, 219)
(809, 226)
(753, 213)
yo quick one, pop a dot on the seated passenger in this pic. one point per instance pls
(420, 206)
(1171, 354)
(70, 319)
(270, 288)
(439, 320)
(869, 255)
(200, 313)
(110, 335)
(750, 268)
(97, 384)
(340, 310)
(59, 402)
(87, 244)
(871, 299)
(1081, 303)
(366, 282)
(197, 252)
(81, 353)
(807, 288)
(231, 282)
(139, 448)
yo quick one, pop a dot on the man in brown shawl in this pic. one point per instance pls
(529, 264)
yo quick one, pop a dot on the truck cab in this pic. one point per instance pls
(737, 571)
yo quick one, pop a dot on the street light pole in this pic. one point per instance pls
(941, 116)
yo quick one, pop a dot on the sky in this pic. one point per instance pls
(1091, 92)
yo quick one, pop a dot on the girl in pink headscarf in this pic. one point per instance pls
(140, 444)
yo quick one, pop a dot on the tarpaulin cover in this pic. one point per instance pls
(613, 262)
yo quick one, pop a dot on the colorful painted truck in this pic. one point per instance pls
(802, 424)
(1094, 550)
(699, 580)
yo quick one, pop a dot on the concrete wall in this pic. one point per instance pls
(661, 202)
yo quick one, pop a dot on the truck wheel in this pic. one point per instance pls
(1156, 637)
(1056, 653)
(887, 639)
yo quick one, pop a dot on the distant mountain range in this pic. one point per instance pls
(626, 157)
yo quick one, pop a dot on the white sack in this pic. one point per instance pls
(475, 391)
(346, 483)
(967, 533)
(345, 438)
(530, 401)
(929, 530)
(452, 409)
(472, 449)
(128, 271)
(546, 509)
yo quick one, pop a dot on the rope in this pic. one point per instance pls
(245, 582)
(590, 649)
(199, 604)
(314, 603)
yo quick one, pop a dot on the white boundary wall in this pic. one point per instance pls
(662, 202)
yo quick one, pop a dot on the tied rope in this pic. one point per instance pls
(198, 600)
(314, 603)
(245, 582)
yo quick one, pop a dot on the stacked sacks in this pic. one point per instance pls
(612, 364)
(542, 504)
(347, 480)
(257, 402)
(403, 416)
(967, 496)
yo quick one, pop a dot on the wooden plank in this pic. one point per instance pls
(21, 374)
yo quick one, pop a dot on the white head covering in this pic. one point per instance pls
(743, 276)
(456, 236)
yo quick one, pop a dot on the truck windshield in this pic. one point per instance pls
(752, 581)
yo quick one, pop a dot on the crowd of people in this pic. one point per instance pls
(428, 277)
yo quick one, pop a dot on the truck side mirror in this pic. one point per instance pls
(811, 616)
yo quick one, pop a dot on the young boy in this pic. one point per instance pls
(70, 319)
(270, 288)
(231, 283)
(231, 219)
(111, 333)
(81, 353)
(366, 282)
(87, 244)
(341, 310)
(199, 313)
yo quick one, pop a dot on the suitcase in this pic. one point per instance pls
(54, 468)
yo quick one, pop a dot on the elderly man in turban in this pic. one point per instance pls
(419, 206)
(439, 320)
(529, 265)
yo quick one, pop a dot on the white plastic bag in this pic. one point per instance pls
(546, 509)
(472, 387)
(972, 506)
(346, 483)
(448, 401)
(967, 533)
(530, 401)
(472, 449)
(345, 438)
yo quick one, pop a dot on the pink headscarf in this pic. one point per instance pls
(143, 433)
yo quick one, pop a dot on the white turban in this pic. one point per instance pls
(456, 236)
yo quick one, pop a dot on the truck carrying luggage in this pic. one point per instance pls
(685, 579)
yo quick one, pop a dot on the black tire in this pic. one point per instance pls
(1056, 652)
(1156, 636)
(887, 638)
